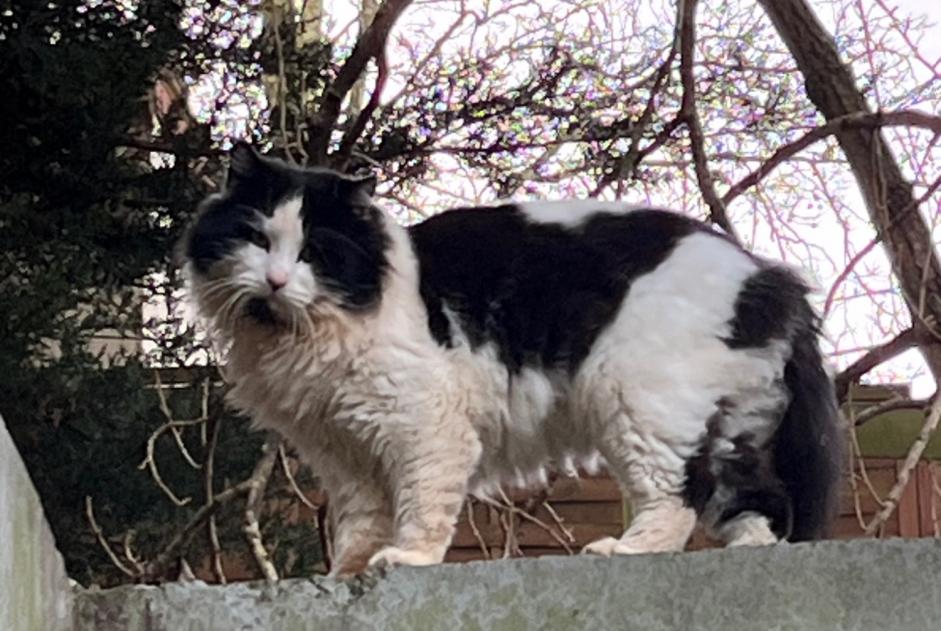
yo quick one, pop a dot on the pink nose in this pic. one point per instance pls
(276, 279)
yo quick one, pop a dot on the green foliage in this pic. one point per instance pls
(84, 223)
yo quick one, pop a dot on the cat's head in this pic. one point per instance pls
(280, 240)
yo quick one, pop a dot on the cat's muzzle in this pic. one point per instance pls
(261, 311)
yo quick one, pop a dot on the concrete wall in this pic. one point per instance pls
(867, 585)
(890, 585)
(34, 590)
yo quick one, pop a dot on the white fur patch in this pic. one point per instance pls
(571, 212)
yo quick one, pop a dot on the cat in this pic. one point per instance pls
(486, 346)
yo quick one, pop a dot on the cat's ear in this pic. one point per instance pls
(360, 185)
(244, 163)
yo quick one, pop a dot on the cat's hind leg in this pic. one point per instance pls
(732, 481)
(651, 476)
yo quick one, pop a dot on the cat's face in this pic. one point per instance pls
(279, 240)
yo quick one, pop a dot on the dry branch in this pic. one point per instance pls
(292, 482)
(900, 403)
(103, 542)
(212, 532)
(889, 199)
(911, 461)
(874, 357)
(154, 568)
(368, 46)
(251, 528)
(857, 120)
(686, 23)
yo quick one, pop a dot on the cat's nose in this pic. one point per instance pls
(276, 279)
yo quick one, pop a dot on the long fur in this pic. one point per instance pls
(489, 346)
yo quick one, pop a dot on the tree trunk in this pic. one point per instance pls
(892, 208)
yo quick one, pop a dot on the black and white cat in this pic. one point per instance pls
(486, 346)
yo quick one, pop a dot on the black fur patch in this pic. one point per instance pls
(771, 305)
(541, 292)
(744, 478)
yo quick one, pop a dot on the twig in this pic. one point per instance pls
(631, 159)
(879, 409)
(173, 425)
(90, 514)
(154, 567)
(212, 531)
(858, 120)
(367, 47)
(911, 461)
(854, 484)
(259, 481)
(342, 157)
(286, 469)
(559, 522)
(282, 93)
(149, 462)
(472, 521)
(686, 24)
(874, 357)
(507, 505)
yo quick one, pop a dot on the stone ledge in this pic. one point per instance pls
(832, 585)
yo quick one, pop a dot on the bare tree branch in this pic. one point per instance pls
(856, 120)
(154, 568)
(368, 46)
(103, 542)
(889, 198)
(212, 531)
(686, 23)
(352, 135)
(911, 461)
(628, 163)
(256, 494)
(899, 344)
(873, 411)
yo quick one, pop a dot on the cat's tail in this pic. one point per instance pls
(810, 442)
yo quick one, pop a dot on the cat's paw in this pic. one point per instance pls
(609, 546)
(392, 556)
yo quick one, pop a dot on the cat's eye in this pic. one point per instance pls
(306, 254)
(257, 237)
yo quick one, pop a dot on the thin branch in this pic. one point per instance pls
(259, 481)
(686, 23)
(153, 568)
(560, 524)
(858, 120)
(173, 426)
(630, 160)
(900, 403)
(352, 135)
(292, 482)
(212, 532)
(874, 357)
(99, 534)
(472, 521)
(911, 461)
(368, 46)
(507, 505)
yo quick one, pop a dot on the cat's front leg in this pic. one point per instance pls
(360, 516)
(429, 465)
